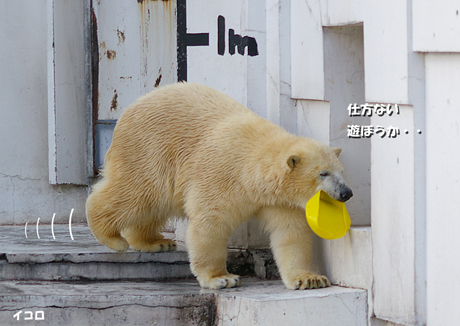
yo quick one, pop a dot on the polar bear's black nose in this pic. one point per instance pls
(345, 194)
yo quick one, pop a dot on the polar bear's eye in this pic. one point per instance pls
(325, 173)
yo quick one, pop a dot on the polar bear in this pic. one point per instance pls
(187, 150)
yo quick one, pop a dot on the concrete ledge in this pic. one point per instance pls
(118, 303)
(28, 265)
(43, 257)
(46, 258)
(94, 271)
(180, 303)
(270, 303)
(348, 260)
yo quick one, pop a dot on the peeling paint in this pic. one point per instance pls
(102, 49)
(158, 80)
(145, 22)
(114, 103)
(111, 54)
(121, 36)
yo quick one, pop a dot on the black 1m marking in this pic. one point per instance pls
(221, 35)
(241, 42)
(185, 39)
(234, 40)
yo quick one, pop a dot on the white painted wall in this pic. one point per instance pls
(69, 92)
(436, 25)
(24, 186)
(392, 175)
(227, 73)
(343, 52)
(443, 179)
(393, 74)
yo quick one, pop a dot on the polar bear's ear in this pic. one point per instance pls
(293, 160)
(337, 151)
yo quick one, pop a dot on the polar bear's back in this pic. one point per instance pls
(184, 110)
(158, 134)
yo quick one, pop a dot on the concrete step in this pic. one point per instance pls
(44, 257)
(61, 255)
(57, 277)
(181, 302)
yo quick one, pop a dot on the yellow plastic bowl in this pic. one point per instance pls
(327, 217)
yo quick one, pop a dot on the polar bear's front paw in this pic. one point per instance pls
(305, 280)
(220, 282)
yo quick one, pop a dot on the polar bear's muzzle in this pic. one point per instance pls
(336, 187)
(345, 193)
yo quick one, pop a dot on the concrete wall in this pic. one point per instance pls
(436, 38)
(393, 74)
(24, 185)
(443, 177)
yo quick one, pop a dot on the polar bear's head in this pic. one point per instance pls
(312, 166)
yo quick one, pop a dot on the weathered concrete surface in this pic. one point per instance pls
(117, 303)
(179, 303)
(44, 258)
(270, 303)
(102, 287)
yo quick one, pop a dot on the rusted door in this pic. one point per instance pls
(134, 51)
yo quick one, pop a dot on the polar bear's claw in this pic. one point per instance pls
(306, 280)
(157, 246)
(221, 282)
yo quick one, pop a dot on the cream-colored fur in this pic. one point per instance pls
(188, 150)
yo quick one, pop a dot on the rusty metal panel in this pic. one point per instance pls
(137, 51)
